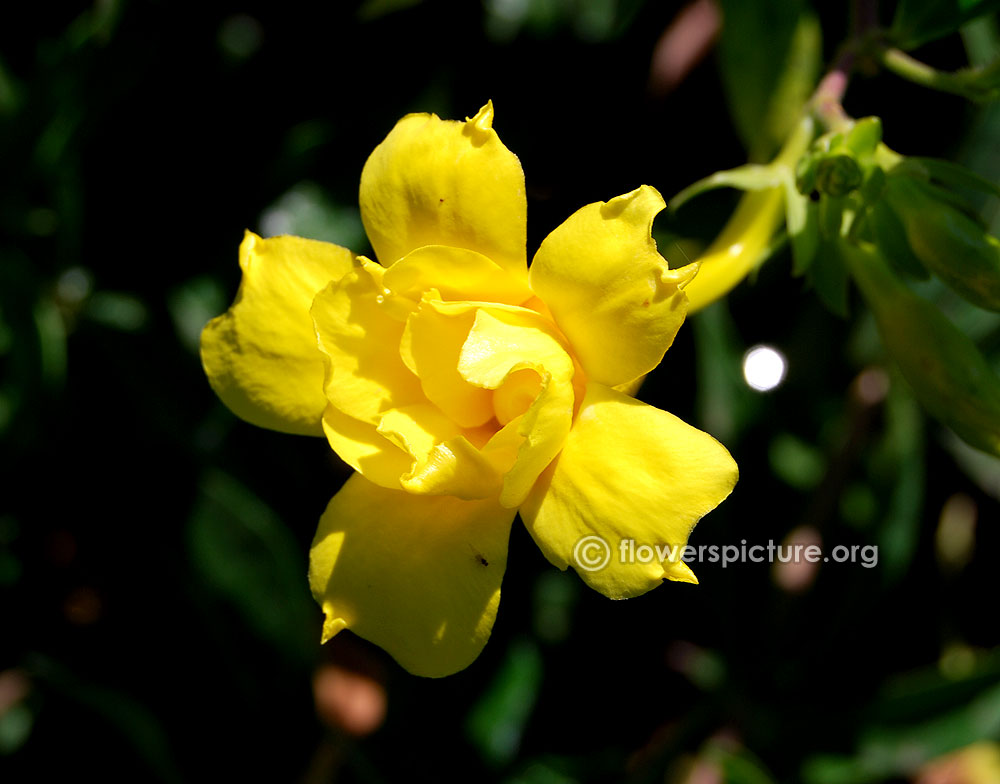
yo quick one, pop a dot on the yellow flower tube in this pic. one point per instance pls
(740, 245)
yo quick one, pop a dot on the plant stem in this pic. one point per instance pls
(972, 83)
(827, 101)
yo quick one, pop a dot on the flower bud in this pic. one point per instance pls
(838, 175)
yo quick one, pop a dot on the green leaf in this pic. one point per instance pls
(191, 305)
(828, 276)
(864, 137)
(982, 41)
(15, 727)
(766, 85)
(307, 210)
(51, 333)
(831, 216)
(497, 721)
(919, 21)
(950, 243)
(902, 460)
(802, 225)
(979, 719)
(796, 462)
(952, 175)
(944, 367)
(117, 310)
(750, 177)
(372, 10)
(918, 718)
(889, 235)
(798, 79)
(249, 557)
(555, 595)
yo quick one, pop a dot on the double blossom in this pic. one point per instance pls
(464, 387)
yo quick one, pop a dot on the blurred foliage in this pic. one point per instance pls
(919, 21)
(157, 622)
(766, 85)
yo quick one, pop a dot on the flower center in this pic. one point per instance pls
(518, 391)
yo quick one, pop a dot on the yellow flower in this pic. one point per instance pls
(462, 388)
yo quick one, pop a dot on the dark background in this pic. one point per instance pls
(156, 623)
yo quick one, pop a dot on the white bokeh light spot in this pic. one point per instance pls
(764, 368)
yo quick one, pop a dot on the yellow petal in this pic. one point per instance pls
(360, 341)
(417, 575)
(260, 356)
(441, 182)
(609, 290)
(444, 461)
(431, 345)
(628, 472)
(363, 448)
(456, 468)
(457, 274)
(519, 354)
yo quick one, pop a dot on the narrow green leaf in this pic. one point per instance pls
(889, 235)
(802, 225)
(954, 175)
(903, 459)
(751, 177)
(828, 277)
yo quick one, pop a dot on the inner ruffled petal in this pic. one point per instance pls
(521, 356)
(444, 460)
(490, 369)
(365, 375)
(431, 346)
(516, 394)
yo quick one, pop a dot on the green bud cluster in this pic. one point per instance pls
(879, 218)
(840, 163)
(908, 207)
